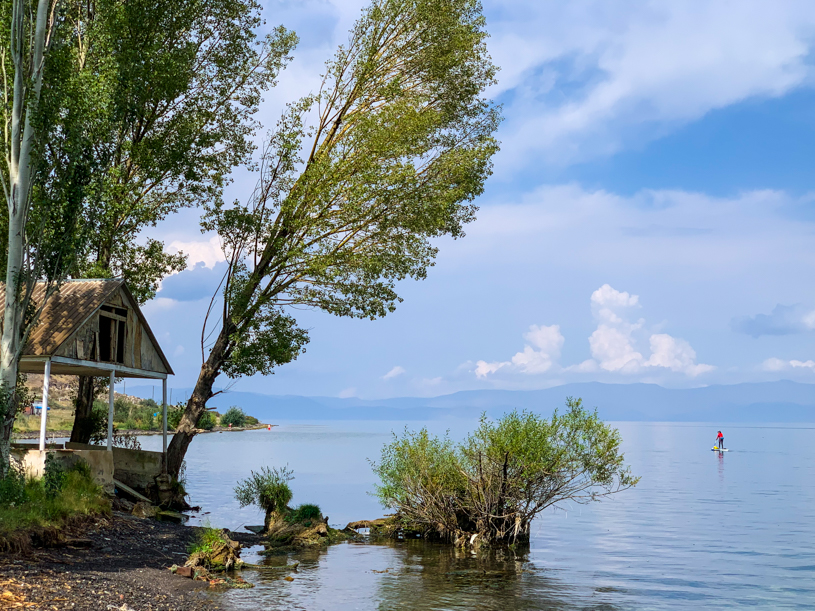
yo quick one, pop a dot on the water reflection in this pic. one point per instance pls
(393, 576)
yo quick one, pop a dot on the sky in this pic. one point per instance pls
(651, 216)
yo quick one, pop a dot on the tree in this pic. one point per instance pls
(234, 416)
(347, 206)
(29, 35)
(490, 488)
(182, 81)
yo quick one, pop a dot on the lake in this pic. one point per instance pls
(701, 528)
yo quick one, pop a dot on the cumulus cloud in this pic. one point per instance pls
(208, 252)
(396, 371)
(613, 344)
(783, 320)
(538, 356)
(776, 364)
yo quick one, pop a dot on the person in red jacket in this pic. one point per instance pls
(720, 441)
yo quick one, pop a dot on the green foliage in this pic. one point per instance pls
(268, 489)
(206, 541)
(207, 421)
(12, 488)
(234, 416)
(79, 495)
(303, 513)
(350, 205)
(55, 476)
(504, 474)
(174, 414)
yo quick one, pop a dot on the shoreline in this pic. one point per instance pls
(138, 432)
(117, 562)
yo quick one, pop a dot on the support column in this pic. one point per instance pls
(164, 421)
(46, 382)
(110, 412)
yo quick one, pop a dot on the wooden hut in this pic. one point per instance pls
(93, 328)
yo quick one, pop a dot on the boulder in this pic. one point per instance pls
(144, 510)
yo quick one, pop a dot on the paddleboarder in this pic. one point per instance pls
(720, 441)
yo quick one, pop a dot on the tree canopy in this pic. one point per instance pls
(356, 181)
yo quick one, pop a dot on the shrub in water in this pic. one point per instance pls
(268, 489)
(234, 416)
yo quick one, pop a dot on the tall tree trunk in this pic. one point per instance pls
(83, 420)
(24, 47)
(197, 403)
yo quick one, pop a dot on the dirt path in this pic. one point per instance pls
(119, 563)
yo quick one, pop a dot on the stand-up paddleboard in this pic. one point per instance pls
(715, 449)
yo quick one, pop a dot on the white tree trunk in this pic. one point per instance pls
(28, 57)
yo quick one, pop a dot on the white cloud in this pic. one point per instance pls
(347, 393)
(589, 77)
(776, 364)
(613, 345)
(396, 371)
(537, 358)
(208, 252)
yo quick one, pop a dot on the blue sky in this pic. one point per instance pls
(650, 218)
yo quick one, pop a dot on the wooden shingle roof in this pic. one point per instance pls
(64, 312)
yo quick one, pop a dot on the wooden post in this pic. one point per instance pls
(164, 421)
(110, 411)
(46, 382)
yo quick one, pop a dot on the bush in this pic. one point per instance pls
(174, 414)
(234, 416)
(207, 421)
(490, 487)
(251, 421)
(12, 487)
(268, 489)
(54, 477)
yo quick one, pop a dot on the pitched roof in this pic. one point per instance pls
(67, 309)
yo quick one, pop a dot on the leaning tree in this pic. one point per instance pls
(356, 181)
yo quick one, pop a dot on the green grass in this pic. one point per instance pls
(303, 513)
(38, 513)
(206, 541)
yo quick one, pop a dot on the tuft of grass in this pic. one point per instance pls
(303, 513)
(206, 541)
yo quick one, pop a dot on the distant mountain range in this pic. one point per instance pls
(782, 401)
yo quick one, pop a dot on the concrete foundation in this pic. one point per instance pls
(33, 462)
(136, 468)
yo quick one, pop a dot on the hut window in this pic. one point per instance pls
(112, 333)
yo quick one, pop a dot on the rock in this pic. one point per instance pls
(185, 571)
(144, 510)
(166, 515)
(254, 529)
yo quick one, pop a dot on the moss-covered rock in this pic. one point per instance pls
(285, 532)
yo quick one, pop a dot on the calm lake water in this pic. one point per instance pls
(700, 529)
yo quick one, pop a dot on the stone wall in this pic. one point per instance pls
(33, 462)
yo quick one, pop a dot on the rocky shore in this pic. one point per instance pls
(119, 562)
